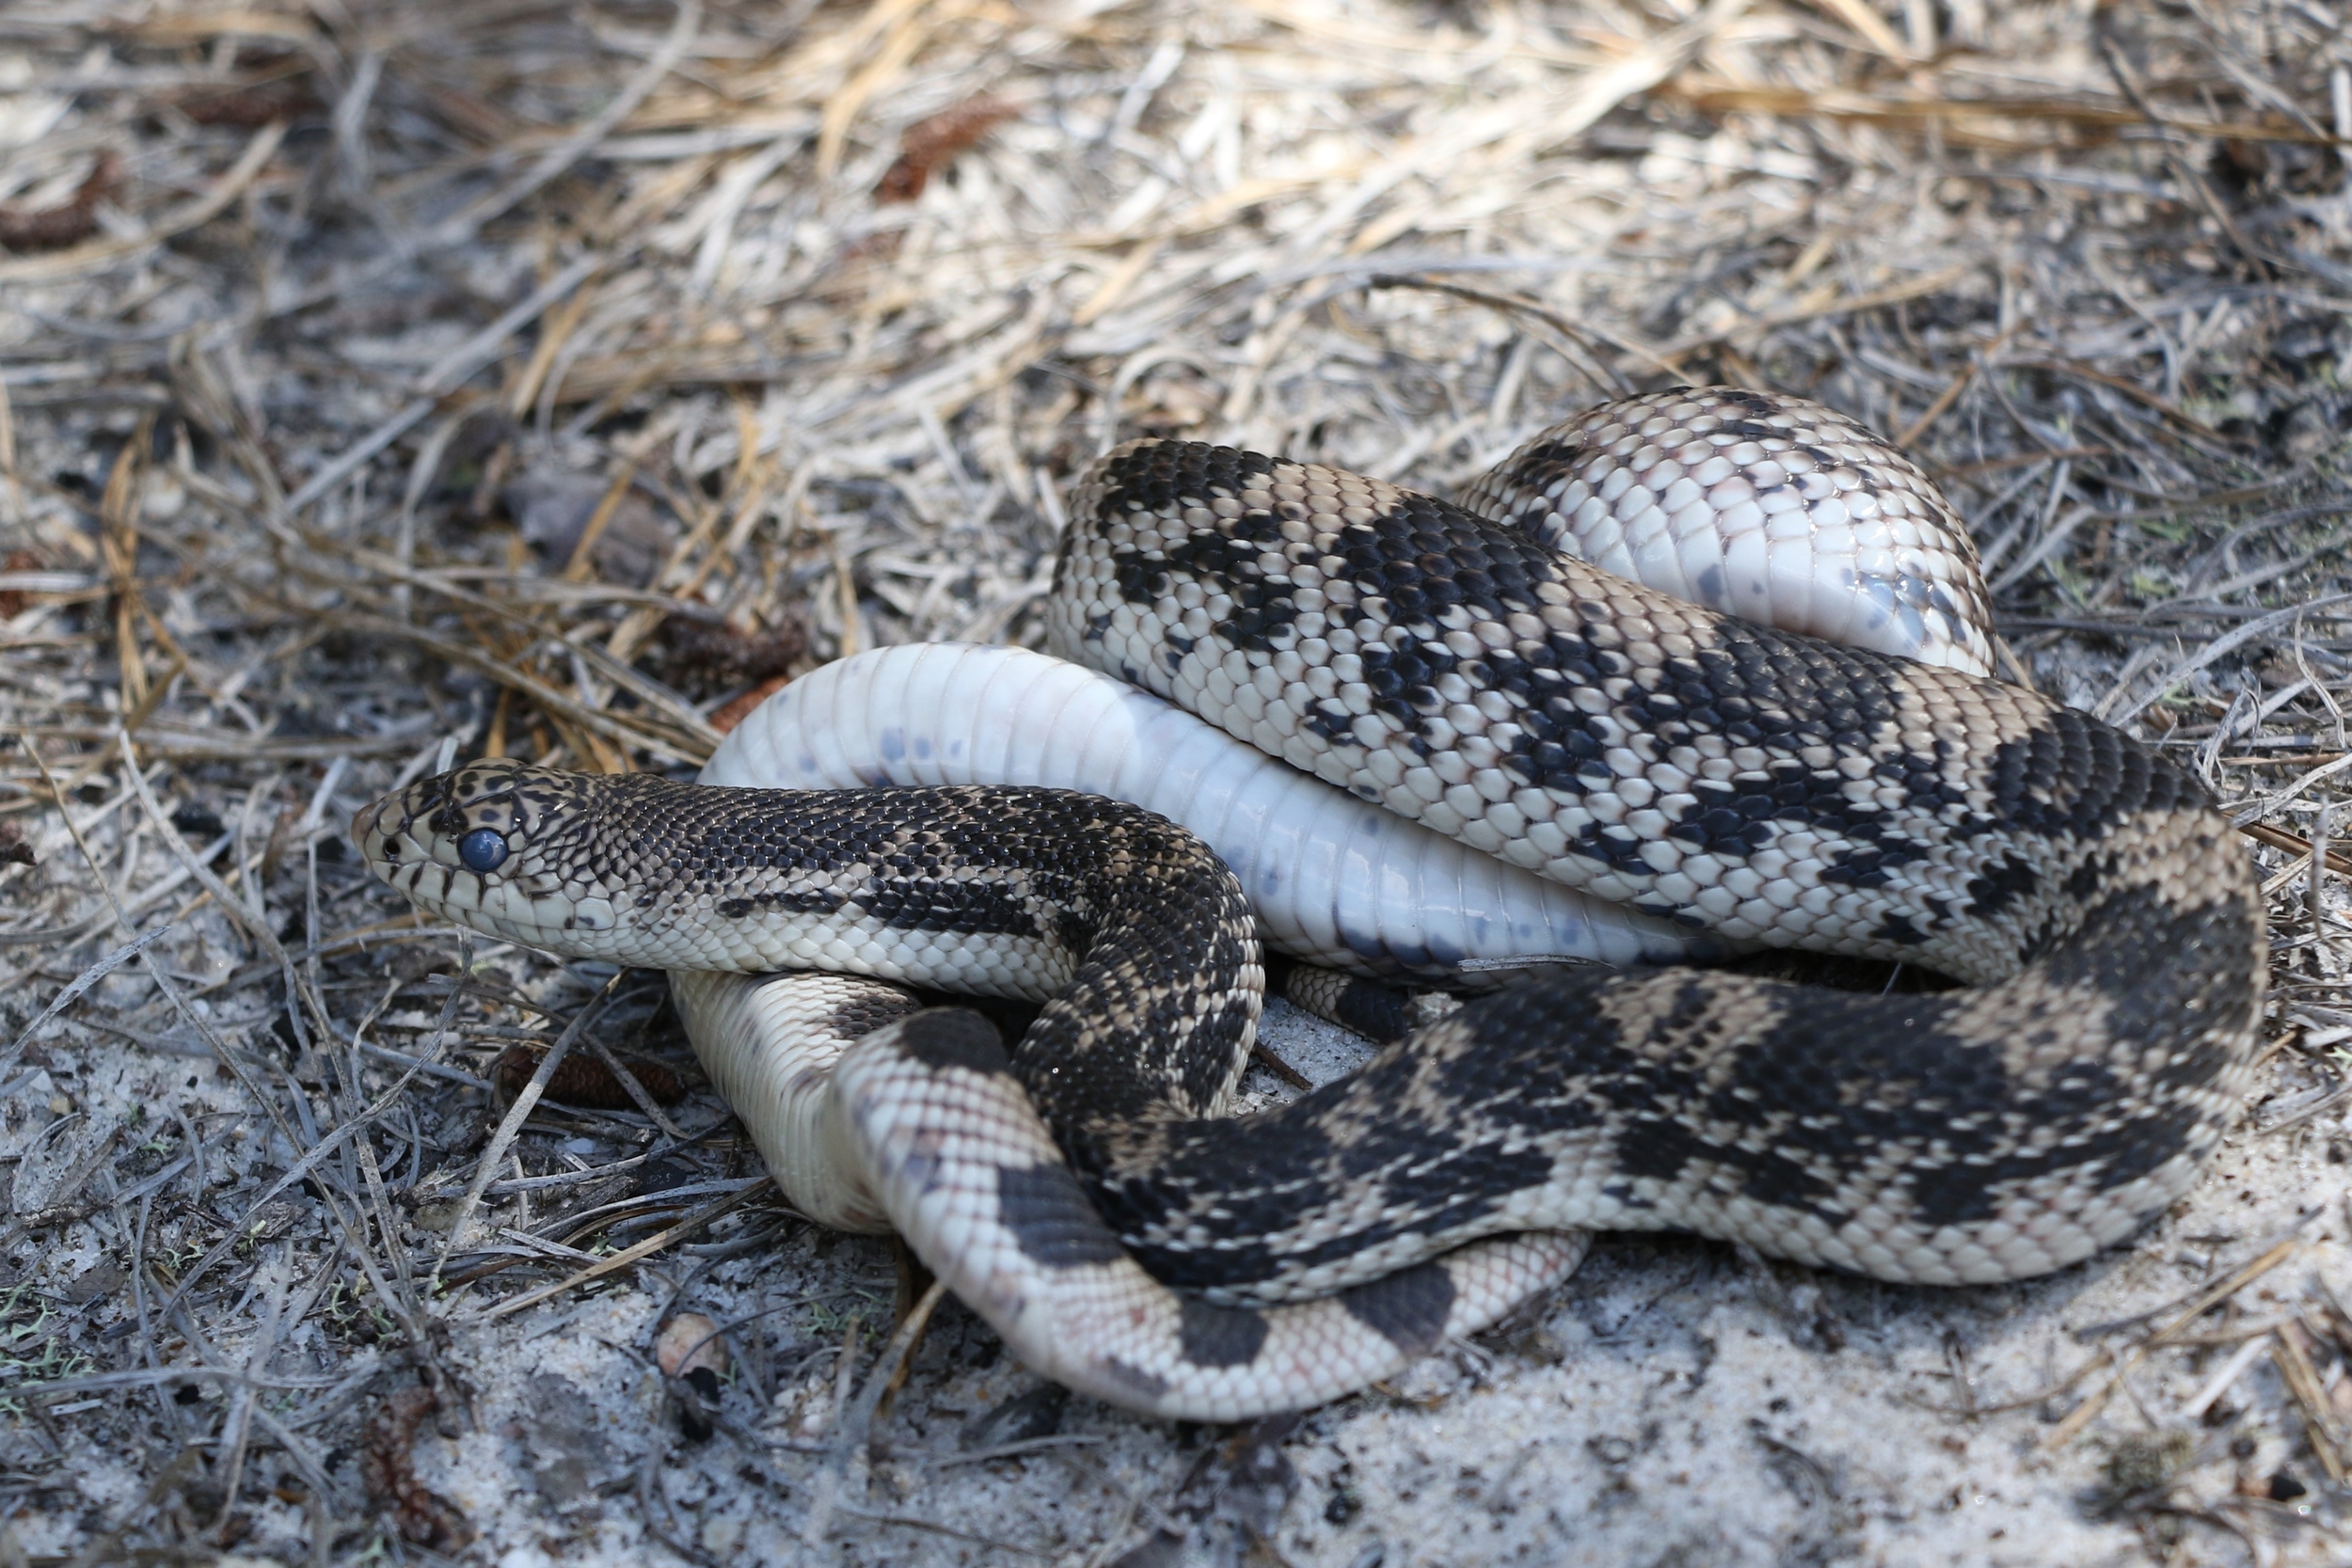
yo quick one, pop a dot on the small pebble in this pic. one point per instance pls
(690, 1342)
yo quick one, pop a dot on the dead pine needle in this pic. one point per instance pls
(383, 390)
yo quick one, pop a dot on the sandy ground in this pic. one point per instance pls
(1673, 1404)
(390, 380)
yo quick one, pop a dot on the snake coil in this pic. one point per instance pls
(1759, 787)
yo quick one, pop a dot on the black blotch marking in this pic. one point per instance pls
(1998, 886)
(1948, 1100)
(1051, 1221)
(1426, 1176)
(2148, 959)
(1149, 1384)
(1375, 1011)
(1213, 1336)
(1408, 1308)
(813, 901)
(1839, 1076)
(1074, 928)
(1285, 1176)
(1167, 473)
(861, 1016)
(954, 1037)
(2073, 776)
(1466, 1183)
(1897, 927)
(917, 901)
(1914, 1073)
(1372, 1010)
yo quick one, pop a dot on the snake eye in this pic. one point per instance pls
(483, 850)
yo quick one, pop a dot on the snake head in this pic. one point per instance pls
(483, 845)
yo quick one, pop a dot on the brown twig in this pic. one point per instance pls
(388, 1465)
(928, 143)
(67, 222)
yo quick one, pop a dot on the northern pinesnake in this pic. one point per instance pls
(1762, 786)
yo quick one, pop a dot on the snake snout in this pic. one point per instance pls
(485, 845)
(472, 820)
(368, 834)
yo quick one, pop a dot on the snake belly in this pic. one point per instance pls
(1334, 881)
(1764, 786)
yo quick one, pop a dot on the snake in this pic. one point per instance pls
(1488, 672)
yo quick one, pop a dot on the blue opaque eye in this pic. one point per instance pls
(483, 850)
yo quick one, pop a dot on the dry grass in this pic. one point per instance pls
(388, 381)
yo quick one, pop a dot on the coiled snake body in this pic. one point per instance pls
(1763, 786)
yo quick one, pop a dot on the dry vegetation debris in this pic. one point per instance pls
(386, 382)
